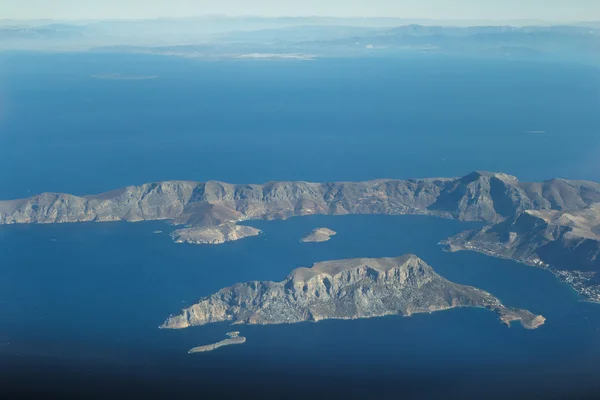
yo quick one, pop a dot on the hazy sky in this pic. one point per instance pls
(555, 10)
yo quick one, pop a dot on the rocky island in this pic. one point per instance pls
(548, 218)
(345, 289)
(214, 235)
(234, 338)
(319, 235)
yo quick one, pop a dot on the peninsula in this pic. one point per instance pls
(557, 220)
(234, 338)
(345, 289)
(566, 242)
(319, 235)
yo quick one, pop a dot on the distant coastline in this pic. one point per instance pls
(123, 77)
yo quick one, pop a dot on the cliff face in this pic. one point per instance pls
(343, 289)
(151, 201)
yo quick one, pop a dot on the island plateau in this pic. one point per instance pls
(345, 289)
(319, 235)
(551, 224)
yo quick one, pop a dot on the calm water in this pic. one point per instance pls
(94, 294)
(251, 122)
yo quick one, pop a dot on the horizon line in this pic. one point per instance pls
(307, 16)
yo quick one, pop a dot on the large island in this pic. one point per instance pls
(552, 224)
(345, 289)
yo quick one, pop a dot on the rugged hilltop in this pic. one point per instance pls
(345, 289)
(318, 235)
(209, 211)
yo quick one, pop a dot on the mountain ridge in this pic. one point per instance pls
(466, 198)
(345, 289)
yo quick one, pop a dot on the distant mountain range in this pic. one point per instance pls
(318, 37)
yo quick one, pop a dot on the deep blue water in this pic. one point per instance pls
(251, 122)
(94, 294)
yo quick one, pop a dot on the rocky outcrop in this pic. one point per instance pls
(215, 235)
(319, 235)
(234, 338)
(153, 201)
(344, 289)
(527, 318)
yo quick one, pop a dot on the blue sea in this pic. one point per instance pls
(93, 295)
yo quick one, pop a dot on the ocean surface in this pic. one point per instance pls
(323, 120)
(93, 295)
